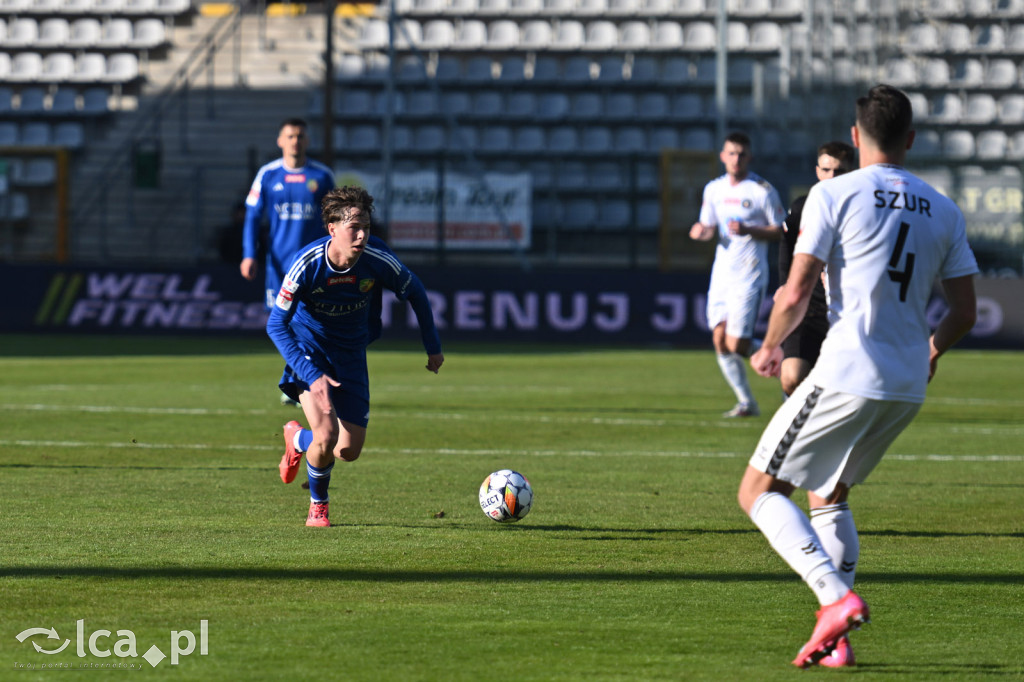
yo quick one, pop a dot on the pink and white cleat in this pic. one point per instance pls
(289, 465)
(318, 515)
(834, 621)
(841, 656)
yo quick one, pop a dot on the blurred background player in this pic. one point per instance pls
(321, 324)
(744, 212)
(884, 236)
(800, 349)
(289, 192)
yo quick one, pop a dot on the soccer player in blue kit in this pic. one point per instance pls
(321, 323)
(289, 191)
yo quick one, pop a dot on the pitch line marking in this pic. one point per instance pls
(483, 451)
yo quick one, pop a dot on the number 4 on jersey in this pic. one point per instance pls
(901, 276)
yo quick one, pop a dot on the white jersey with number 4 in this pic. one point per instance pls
(885, 236)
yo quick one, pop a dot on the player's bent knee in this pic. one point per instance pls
(348, 454)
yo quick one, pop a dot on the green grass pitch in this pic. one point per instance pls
(139, 494)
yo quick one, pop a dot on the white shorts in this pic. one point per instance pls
(819, 438)
(737, 306)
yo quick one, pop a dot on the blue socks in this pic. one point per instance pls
(303, 440)
(319, 480)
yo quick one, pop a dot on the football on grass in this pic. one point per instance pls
(506, 495)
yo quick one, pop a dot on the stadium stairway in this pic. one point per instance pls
(231, 127)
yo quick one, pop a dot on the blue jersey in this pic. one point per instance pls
(322, 313)
(291, 198)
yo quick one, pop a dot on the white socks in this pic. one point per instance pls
(838, 535)
(735, 373)
(791, 535)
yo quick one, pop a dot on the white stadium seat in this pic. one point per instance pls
(84, 33)
(122, 67)
(958, 144)
(992, 145)
(57, 67)
(25, 67)
(53, 33)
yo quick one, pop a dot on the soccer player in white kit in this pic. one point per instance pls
(744, 212)
(883, 237)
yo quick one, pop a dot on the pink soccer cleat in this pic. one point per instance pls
(317, 515)
(834, 621)
(289, 465)
(841, 656)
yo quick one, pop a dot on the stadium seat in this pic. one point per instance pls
(601, 35)
(620, 105)
(636, 35)
(580, 213)
(569, 35)
(478, 70)
(95, 100)
(373, 35)
(900, 72)
(981, 109)
(668, 35)
(546, 70)
(173, 8)
(108, 7)
(53, 33)
(429, 138)
(921, 38)
(648, 215)
(456, 103)
(614, 214)
(448, 68)
(947, 108)
(422, 103)
(140, 7)
(529, 139)
(656, 8)
(116, 33)
(700, 35)
(698, 139)
(705, 70)
(438, 34)
(1011, 109)
(967, 73)
(604, 175)
(492, 8)
(563, 139)
(57, 68)
(353, 102)
(737, 35)
(1015, 39)
(84, 33)
(1001, 73)
(645, 69)
(750, 8)
(935, 72)
(653, 105)
(586, 105)
(691, 8)
(1010, 9)
(497, 138)
(927, 143)
(488, 104)
(521, 104)
(512, 69)
(1015, 150)
(45, 6)
(25, 67)
(630, 139)
(992, 145)
(470, 35)
(591, 8)
(427, 7)
(675, 70)
(410, 71)
(958, 144)
(978, 8)
(122, 67)
(461, 8)
(577, 69)
(35, 134)
(941, 8)
(535, 35)
(558, 7)
(765, 35)
(8, 134)
(623, 8)
(663, 137)
(63, 103)
(740, 70)
(503, 35)
(148, 34)
(73, 7)
(611, 69)
(32, 101)
(553, 106)
(69, 134)
(16, 209)
(688, 106)
(990, 38)
(919, 104)
(596, 138)
(6, 100)
(525, 8)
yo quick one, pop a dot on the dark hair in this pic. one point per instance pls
(296, 122)
(736, 137)
(841, 151)
(338, 200)
(885, 115)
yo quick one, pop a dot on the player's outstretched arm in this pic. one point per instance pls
(960, 319)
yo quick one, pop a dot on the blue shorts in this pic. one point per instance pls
(352, 399)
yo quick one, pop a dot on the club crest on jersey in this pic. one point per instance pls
(747, 203)
(341, 279)
(312, 185)
(366, 284)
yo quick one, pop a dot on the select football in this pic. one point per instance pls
(506, 495)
